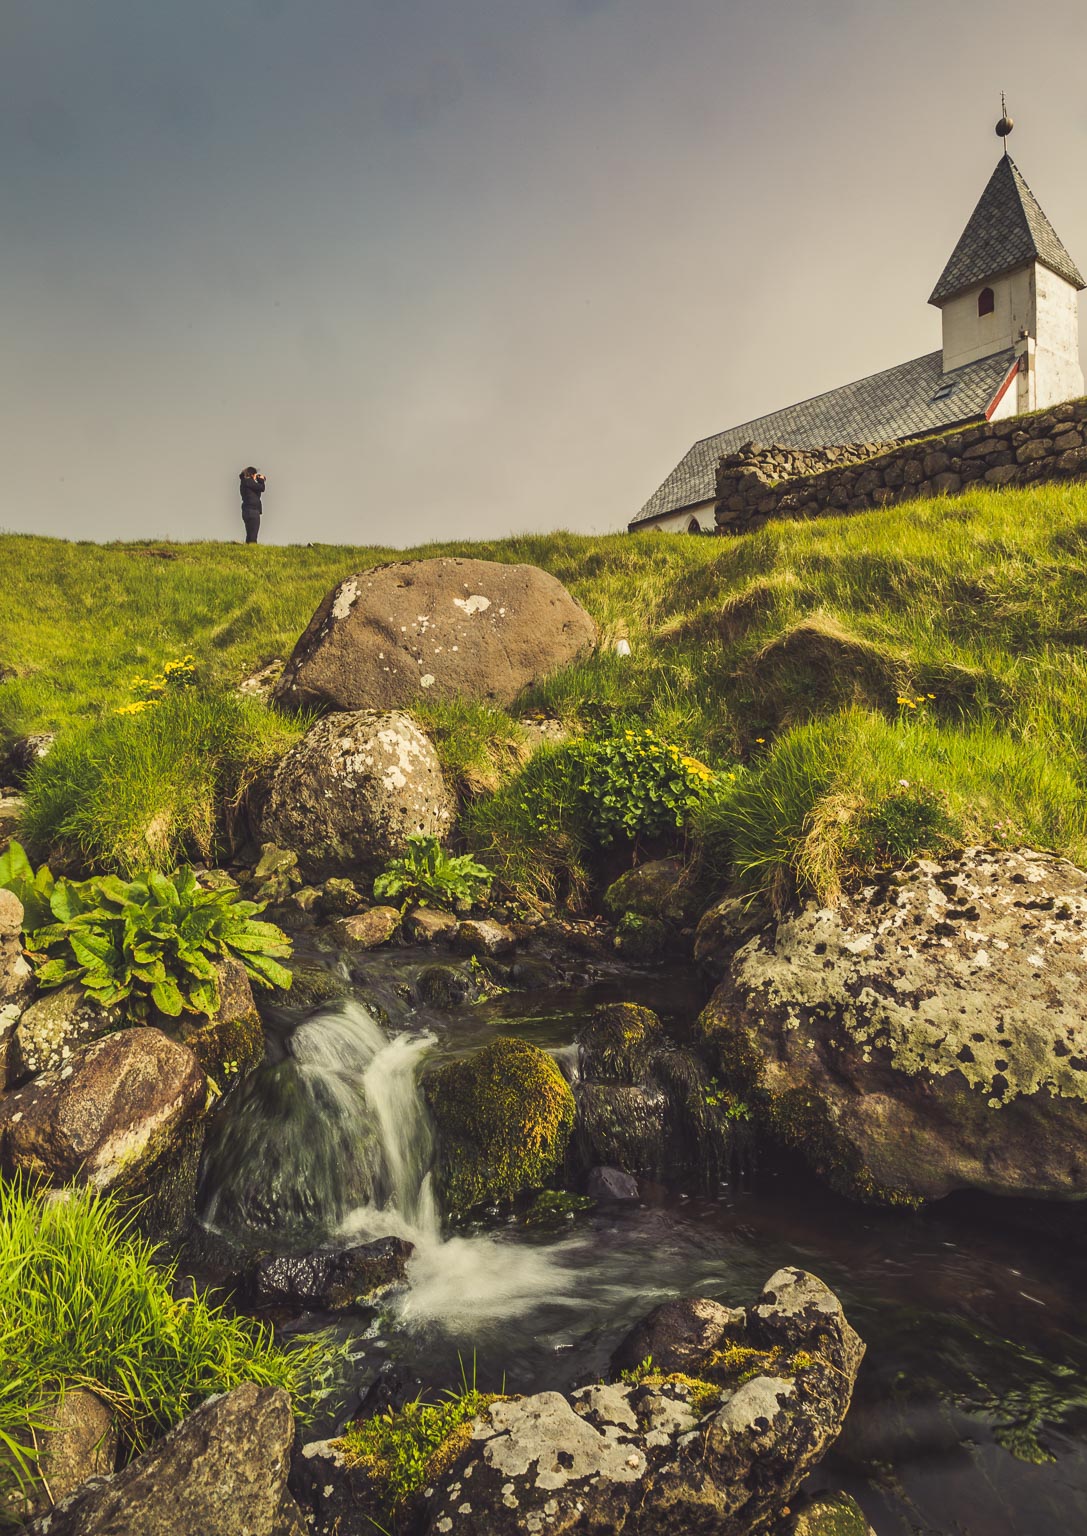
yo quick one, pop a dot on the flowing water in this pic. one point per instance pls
(970, 1416)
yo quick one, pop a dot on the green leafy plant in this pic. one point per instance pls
(430, 877)
(638, 785)
(85, 1301)
(32, 890)
(151, 942)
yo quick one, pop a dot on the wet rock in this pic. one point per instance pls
(52, 1027)
(485, 938)
(79, 1442)
(313, 984)
(723, 928)
(677, 1336)
(367, 930)
(617, 1043)
(341, 897)
(529, 972)
(426, 925)
(503, 1118)
(331, 1280)
(474, 629)
(657, 889)
(352, 791)
(221, 1472)
(722, 1446)
(446, 986)
(622, 1124)
(829, 1514)
(230, 1044)
(927, 1034)
(124, 1114)
(642, 939)
(612, 1185)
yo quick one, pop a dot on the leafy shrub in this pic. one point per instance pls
(32, 890)
(146, 942)
(84, 1301)
(637, 785)
(430, 877)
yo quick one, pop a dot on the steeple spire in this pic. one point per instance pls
(1005, 125)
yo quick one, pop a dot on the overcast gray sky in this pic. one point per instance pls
(457, 268)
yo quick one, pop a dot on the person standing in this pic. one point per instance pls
(252, 488)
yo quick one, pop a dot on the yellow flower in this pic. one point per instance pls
(760, 741)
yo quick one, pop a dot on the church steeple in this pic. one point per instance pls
(1011, 287)
(1006, 230)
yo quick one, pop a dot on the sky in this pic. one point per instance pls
(464, 268)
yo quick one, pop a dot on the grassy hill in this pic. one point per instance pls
(875, 684)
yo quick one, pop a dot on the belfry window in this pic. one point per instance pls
(986, 301)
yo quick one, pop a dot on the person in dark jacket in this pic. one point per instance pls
(252, 487)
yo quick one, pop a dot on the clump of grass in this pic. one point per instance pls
(835, 798)
(478, 745)
(406, 1449)
(84, 1303)
(151, 789)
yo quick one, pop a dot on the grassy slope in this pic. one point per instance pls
(805, 635)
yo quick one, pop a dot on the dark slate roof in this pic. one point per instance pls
(883, 408)
(1006, 230)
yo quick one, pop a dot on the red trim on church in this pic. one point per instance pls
(1002, 391)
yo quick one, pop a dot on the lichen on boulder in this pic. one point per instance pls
(504, 1117)
(927, 1033)
(347, 797)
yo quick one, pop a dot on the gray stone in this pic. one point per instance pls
(80, 1441)
(928, 1033)
(352, 791)
(333, 1279)
(367, 930)
(426, 925)
(485, 937)
(221, 1472)
(612, 1185)
(52, 1027)
(124, 1114)
(440, 628)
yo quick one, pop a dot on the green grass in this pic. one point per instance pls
(83, 1303)
(781, 654)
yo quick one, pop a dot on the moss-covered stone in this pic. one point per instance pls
(617, 1042)
(831, 1514)
(643, 938)
(504, 1118)
(230, 1044)
(658, 889)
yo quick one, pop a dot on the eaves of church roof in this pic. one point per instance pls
(913, 400)
(1006, 230)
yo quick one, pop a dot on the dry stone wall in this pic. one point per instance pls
(1019, 450)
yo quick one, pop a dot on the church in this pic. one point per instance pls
(1009, 302)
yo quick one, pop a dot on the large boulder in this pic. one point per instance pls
(78, 1439)
(352, 791)
(721, 1446)
(929, 1033)
(471, 629)
(221, 1472)
(503, 1117)
(124, 1114)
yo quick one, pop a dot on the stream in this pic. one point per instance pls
(970, 1414)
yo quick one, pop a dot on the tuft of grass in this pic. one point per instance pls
(478, 745)
(84, 1303)
(150, 790)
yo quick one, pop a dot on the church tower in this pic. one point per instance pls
(1010, 285)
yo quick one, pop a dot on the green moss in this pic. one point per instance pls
(404, 1451)
(643, 938)
(616, 1043)
(553, 1206)
(227, 1050)
(504, 1117)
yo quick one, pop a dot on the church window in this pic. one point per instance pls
(694, 526)
(986, 301)
(944, 392)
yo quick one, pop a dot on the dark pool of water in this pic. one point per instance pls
(970, 1414)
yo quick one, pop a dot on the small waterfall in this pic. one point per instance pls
(334, 1145)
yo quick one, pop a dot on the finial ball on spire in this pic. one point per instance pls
(1005, 126)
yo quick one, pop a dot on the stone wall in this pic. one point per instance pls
(1018, 450)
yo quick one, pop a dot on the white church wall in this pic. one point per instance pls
(1058, 374)
(969, 336)
(680, 522)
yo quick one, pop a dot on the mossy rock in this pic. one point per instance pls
(656, 889)
(314, 984)
(504, 1118)
(616, 1044)
(830, 1514)
(643, 938)
(230, 1044)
